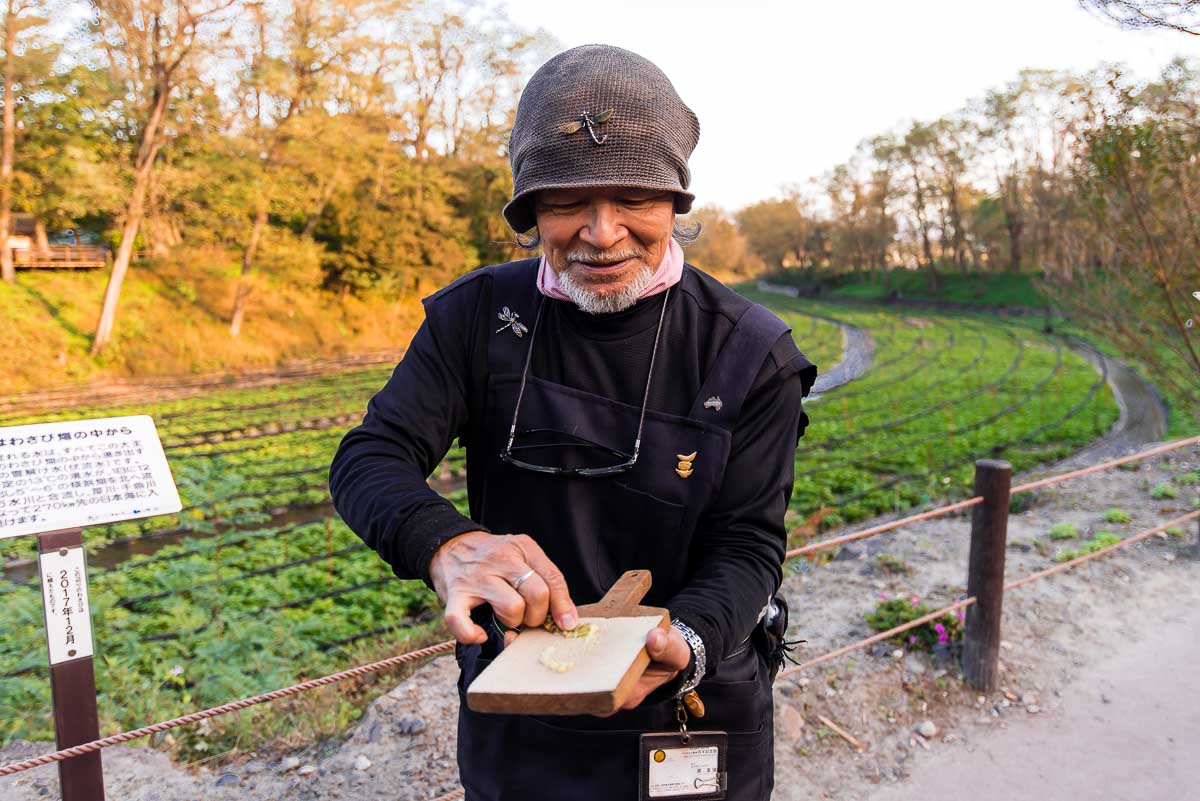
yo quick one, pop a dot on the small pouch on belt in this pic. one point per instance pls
(769, 636)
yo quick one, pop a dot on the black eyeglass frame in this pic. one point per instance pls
(585, 472)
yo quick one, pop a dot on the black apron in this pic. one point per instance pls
(594, 529)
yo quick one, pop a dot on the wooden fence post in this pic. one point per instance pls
(985, 574)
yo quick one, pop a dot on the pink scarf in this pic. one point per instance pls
(668, 274)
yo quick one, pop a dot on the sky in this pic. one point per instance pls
(786, 90)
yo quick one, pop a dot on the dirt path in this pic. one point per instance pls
(1143, 416)
(1126, 731)
(858, 351)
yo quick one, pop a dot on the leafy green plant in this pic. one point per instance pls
(1192, 477)
(1063, 531)
(1117, 516)
(893, 565)
(1163, 491)
(892, 612)
(1101, 540)
(831, 520)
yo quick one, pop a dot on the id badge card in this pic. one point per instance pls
(672, 768)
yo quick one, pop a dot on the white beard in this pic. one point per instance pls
(609, 302)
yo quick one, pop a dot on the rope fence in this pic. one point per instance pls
(965, 602)
(988, 531)
(977, 499)
(224, 709)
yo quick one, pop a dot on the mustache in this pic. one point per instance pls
(609, 257)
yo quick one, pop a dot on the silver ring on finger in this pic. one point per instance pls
(522, 579)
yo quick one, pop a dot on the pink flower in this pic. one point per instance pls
(959, 613)
(915, 601)
(912, 638)
(941, 632)
(883, 596)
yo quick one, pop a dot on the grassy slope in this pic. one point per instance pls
(173, 319)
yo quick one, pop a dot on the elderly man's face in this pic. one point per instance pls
(604, 243)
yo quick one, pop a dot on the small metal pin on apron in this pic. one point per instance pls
(510, 319)
(715, 403)
(684, 468)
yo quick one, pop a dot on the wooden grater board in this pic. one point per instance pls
(604, 674)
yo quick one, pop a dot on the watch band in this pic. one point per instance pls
(697, 646)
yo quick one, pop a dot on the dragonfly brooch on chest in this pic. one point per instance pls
(511, 320)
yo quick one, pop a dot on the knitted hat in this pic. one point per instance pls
(597, 115)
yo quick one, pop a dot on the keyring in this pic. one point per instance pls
(517, 584)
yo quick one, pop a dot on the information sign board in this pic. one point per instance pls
(78, 473)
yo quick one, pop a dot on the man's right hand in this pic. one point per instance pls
(477, 567)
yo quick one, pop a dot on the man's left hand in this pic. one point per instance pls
(669, 654)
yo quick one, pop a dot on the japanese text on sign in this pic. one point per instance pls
(65, 598)
(82, 472)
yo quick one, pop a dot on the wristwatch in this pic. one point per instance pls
(697, 646)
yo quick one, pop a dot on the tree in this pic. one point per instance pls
(880, 150)
(777, 230)
(915, 152)
(1003, 119)
(1139, 181)
(70, 141)
(154, 47)
(23, 19)
(297, 46)
(953, 144)
(395, 231)
(721, 248)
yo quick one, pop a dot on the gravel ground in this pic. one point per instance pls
(1120, 734)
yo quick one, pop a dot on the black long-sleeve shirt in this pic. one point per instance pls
(378, 476)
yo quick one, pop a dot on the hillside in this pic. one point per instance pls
(173, 319)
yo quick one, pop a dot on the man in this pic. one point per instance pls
(620, 410)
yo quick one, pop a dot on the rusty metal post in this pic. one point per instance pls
(985, 574)
(73, 691)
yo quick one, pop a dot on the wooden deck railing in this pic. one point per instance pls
(74, 256)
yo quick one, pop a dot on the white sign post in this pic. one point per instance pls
(56, 478)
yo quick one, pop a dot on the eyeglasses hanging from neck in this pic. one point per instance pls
(628, 459)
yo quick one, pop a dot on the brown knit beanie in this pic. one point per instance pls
(597, 115)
